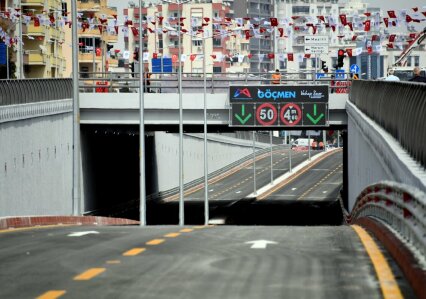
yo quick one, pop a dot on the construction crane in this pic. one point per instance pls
(402, 60)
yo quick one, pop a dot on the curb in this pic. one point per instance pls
(405, 259)
(30, 221)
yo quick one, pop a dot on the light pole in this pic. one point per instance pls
(142, 183)
(76, 190)
(206, 180)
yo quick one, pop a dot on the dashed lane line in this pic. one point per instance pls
(186, 230)
(53, 294)
(172, 235)
(134, 251)
(113, 262)
(89, 274)
(319, 182)
(388, 284)
(155, 242)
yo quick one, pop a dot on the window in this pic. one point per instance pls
(416, 60)
(197, 42)
(217, 42)
(217, 69)
(313, 62)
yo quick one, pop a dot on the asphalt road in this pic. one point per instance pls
(240, 184)
(206, 262)
(321, 182)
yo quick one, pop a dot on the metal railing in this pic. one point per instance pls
(193, 82)
(14, 92)
(399, 108)
(401, 207)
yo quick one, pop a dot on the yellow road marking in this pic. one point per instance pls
(199, 227)
(388, 284)
(186, 230)
(52, 294)
(133, 252)
(155, 242)
(89, 274)
(113, 262)
(12, 230)
(172, 235)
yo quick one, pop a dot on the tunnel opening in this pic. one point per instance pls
(111, 188)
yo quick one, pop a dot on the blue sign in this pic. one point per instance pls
(355, 69)
(167, 65)
(3, 54)
(340, 74)
(161, 65)
(321, 75)
(156, 65)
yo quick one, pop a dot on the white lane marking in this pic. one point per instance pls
(79, 234)
(238, 192)
(324, 192)
(216, 221)
(211, 190)
(292, 189)
(260, 244)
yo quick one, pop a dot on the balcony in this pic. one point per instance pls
(56, 34)
(32, 30)
(89, 33)
(32, 2)
(88, 57)
(89, 5)
(35, 57)
(55, 61)
(54, 4)
(110, 38)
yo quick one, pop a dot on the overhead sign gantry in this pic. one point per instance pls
(279, 106)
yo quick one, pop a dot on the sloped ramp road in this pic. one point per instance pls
(192, 262)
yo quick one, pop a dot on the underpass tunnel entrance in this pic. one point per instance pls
(110, 159)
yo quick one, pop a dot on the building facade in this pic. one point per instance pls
(97, 35)
(161, 24)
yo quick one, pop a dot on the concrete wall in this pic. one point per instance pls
(221, 151)
(374, 155)
(36, 166)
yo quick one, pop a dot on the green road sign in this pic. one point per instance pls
(242, 114)
(314, 114)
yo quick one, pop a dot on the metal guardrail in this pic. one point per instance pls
(168, 82)
(399, 108)
(14, 92)
(400, 206)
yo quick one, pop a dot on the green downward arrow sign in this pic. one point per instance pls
(243, 118)
(317, 119)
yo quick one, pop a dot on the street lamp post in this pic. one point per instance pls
(206, 180)
(142, 183)
(76, 190)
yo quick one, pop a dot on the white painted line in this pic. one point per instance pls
(324, 192)
(238, 192)
(292, 189)
(211, 190)
(217, 221)
(80, 234)
(260, 244)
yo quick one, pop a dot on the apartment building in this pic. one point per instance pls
(97, 36)
(36, 23)
(256, 10)
(160, 39)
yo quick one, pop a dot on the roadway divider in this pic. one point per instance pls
(396, 214)
(280, 182)
(220, 174)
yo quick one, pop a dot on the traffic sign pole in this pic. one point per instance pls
(272, 159)
(254, 164)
